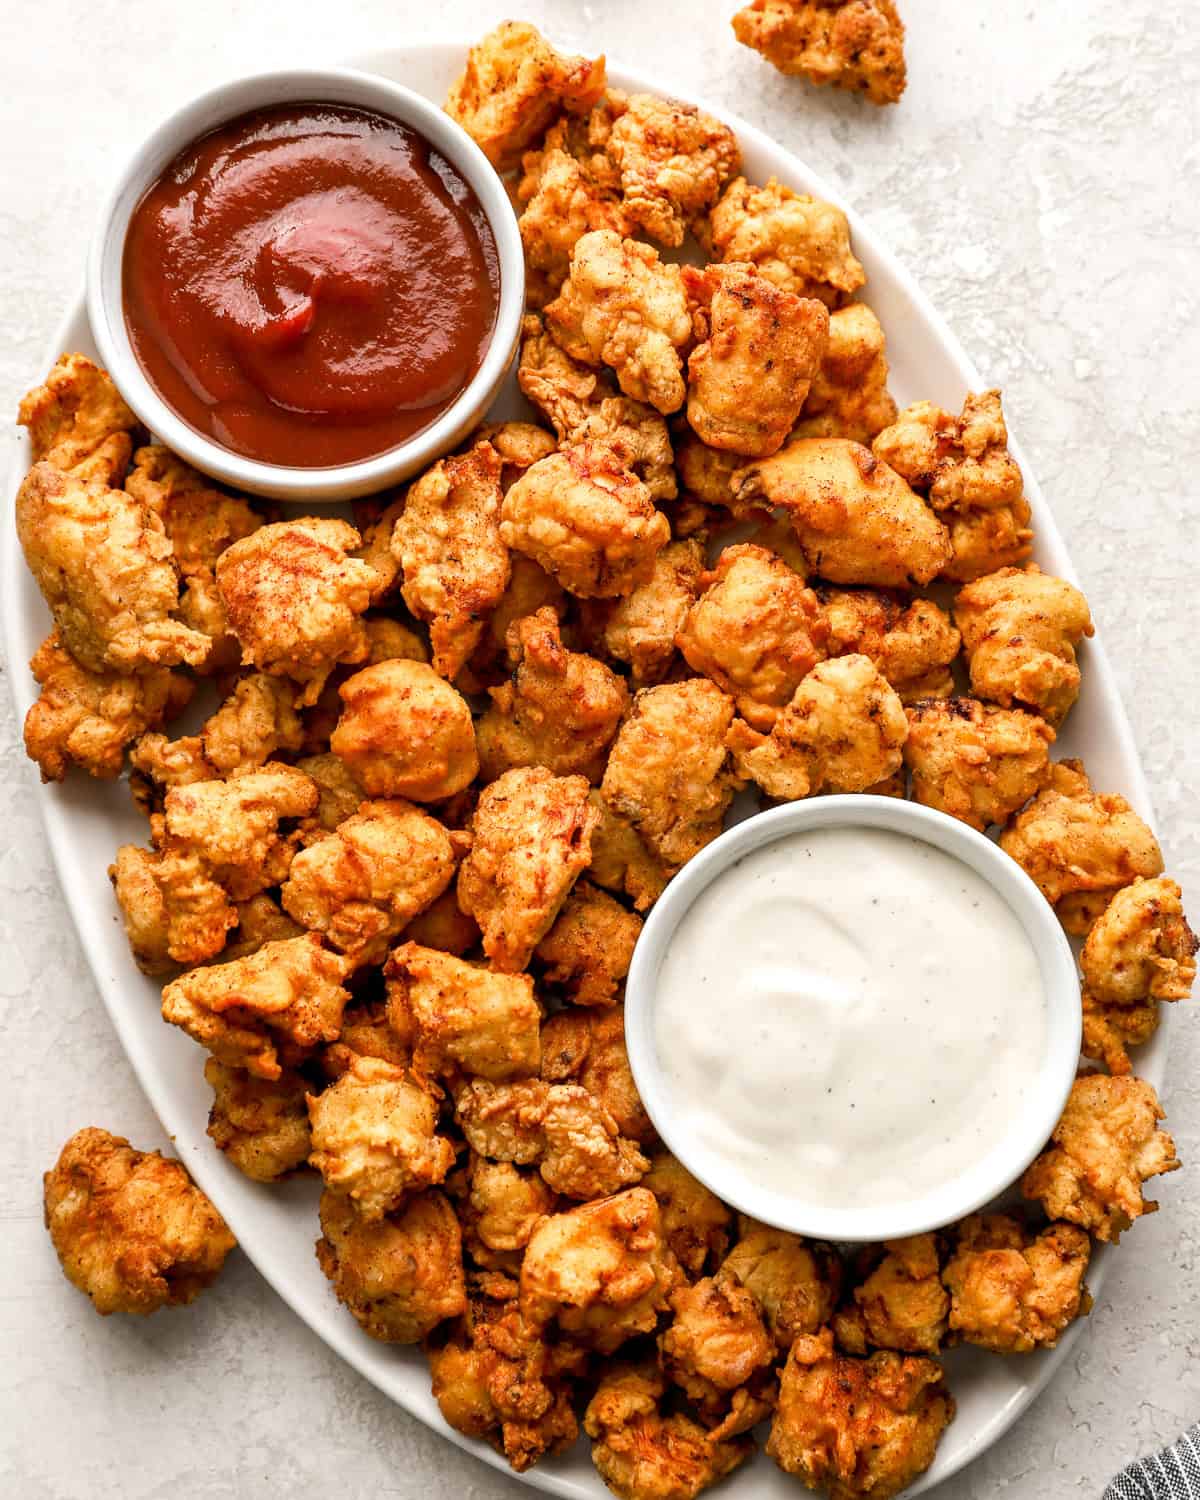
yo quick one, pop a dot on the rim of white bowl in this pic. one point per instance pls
(196, 118)
(1004, 1163)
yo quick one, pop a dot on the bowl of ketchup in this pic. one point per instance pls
(308, 284)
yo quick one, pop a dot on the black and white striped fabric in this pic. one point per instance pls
(1173, 1474)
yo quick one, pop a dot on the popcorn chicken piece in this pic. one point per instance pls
(795, 1282)
(642, 1454)
(856, 519)
(532, 835)
(1011, 1291)
(640, 629)
(600, 1271)
(913, 645)
(562, 201)
(588, 1048)
(260, 1125)
(1020, 628)
(623, 307)
(621, 861)
(669, 772)
(513, 85)
(463, 1017)
(582, 405)
(444, 926)
(756, 631)
(367, 880)
(455, 562)
(856, 1427)
(519, 444)
(339, 794)
(173, 911)
(843, 731)
(86, 719)
(717, 1351)
(1080, 847)
(495, 1378)
(374, 1137)
(367, 1032)
(977, 763)
(852, 44)
(706, 475)
(695, 1223)
(375, 518)
(501, 1210)
(1105, 1146)
(295, 599)
(280, 1001)
(849, 397)
(405, 732)
(130, 1229)
(901, 1304)
(259, 920)
(105, 568)
(587, 519)
(77, 420)
(673, 160)
(1110, 1030)
(400, 1276)
(964, 467)
(570, 1135)
(586, 954)
(800, 243)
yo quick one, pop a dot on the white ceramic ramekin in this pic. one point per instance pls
(1007, 1159)
(261, 90)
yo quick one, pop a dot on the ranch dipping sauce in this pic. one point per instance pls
(849, 1017)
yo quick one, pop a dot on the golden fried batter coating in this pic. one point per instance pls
(86, 719)
(601, 1271)
(1011, 1291)
(716, 1350)
(695, 1223)
(795, 1282)
(1105, 1146)
(1110, 1030)
(570, 1135)
(374, 1137)
(130, 1228)
(640, 629)
(260, 1124)
(1020, 628)
(405, 732)
(856, 518)
(449, 547)
(623, 307)
(530, 588)
(172, 909)
(463, 1017)
(282, 1000)
(558, 709)
(851, 44)
(105, 567)
(295, 599)
(562, 201)
(642, 1454)
(586, 954)
(78, 419)
(502, 1207)
(761, 347)
(756, 631)
(913, 645)
(367, 1032)
(513, 86)
(400, 1276)
(532, 835)
(1080, 847)
(901, 1304)
(444, 926)
(621, 861)
(588, 1048)
(975, 762)
(706, 474)
(259, 920)
(587, 519)
(802, 244)
(339, 794)
(849, 397)
(669, 772)
(673, 160)
(375, 517)
(854, 1427)
(367, 880)
(843, 731)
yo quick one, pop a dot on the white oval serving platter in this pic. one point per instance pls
(85, 821)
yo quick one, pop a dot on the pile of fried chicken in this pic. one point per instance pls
(393, 881)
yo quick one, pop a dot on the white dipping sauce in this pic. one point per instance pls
(849, 1018)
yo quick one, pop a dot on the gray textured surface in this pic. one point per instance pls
(1041, 179)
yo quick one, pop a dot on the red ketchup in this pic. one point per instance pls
(310, 285)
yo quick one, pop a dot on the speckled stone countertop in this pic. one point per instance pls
(1041, 179)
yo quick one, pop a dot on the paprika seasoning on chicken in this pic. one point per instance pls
(310, 285)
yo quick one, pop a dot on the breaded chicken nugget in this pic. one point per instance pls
(802, 244)
(586, 954)
(640, 629)
(975, 762)
(695, 1223)
(900, 1304)
(717, 1350)
(849, 396)
(912, 644)
(501, 1210)
(562, 201)
(795, 1282)
(588, 1048)
(621, 860)
(851, 44)
(260, 1124)
(78, 422)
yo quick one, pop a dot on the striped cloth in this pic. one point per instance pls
(1173, 1474)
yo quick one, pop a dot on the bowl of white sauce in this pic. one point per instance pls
(854, 1018)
